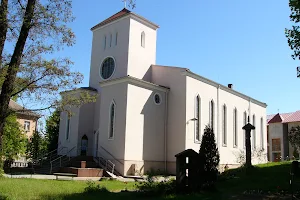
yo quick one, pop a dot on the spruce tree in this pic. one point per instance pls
(209, 156)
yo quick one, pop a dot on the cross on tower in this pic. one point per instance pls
(125, 3)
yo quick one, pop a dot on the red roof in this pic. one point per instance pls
(284, 117)
(277, 118)
(294, 117)
(121, 14)
(112, 18)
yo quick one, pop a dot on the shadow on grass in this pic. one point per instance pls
(128, 195)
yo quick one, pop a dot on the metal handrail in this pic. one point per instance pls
(111, 155)
(107, 162)
(60, 158)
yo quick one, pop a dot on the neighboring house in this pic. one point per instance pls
(26, 118)
(278, 127)
(147, 113)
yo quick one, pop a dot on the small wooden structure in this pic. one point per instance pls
(187, 170)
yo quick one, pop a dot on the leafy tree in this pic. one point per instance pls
(36, 29)
(294, 137)
(14, 140)
(209, 157)
(36, 146)
(293, 34)
(52, 130)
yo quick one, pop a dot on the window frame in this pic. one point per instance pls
(101, 66)
(262, 132)
(224, 125)
(212, 114)
(112, 136)
(26, 122)
(143, 39)
(68, 127)
(197, 136)
(105, 42)
(116, 39)
(235, 128)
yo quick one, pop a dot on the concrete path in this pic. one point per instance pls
(51, 177)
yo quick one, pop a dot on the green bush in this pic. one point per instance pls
(152, 188)
(92, 187)
(209, 159)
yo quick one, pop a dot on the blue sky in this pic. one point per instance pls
(228, 41)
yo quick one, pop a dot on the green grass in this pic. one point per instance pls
(232, 185)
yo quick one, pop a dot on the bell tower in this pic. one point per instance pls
(123, 44)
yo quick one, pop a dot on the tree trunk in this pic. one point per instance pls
(3, 26)
(13, 67)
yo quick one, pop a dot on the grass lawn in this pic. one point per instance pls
(232, 185)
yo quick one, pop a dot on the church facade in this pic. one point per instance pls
(147, 113)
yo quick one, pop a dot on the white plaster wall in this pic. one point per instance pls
(173, 78)
(115, 146)
(144, 125)
(119, 52)
(228, 153)
(141, 58)
(275, 131)
(86, 124)
(73, 135)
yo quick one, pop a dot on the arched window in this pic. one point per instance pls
(235, 132)
(116, 40)
(254, 133)
(262, 133)
(224, 124)
(143, 38)
(112, 119)
(211, 113)
(68, 127)
(198, 117)
(104, 42)
(244, 132)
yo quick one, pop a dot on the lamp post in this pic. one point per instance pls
(248, 127)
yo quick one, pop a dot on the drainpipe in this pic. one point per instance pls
(218, 120)
(166, 129)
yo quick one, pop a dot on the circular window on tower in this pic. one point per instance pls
(157, 99)
(107, 68)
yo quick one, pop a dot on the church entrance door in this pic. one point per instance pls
(84, 145)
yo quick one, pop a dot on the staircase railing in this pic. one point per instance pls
(49, 155)
(108, 165)
(62, 159)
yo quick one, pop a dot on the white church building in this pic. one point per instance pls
(146, 113)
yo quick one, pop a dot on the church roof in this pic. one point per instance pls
(124, 12)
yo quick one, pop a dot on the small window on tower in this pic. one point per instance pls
(104, 42)
(116, 39)
(110, 41)
(143, 39)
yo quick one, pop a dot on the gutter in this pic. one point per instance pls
(166, 129)
(218, 118)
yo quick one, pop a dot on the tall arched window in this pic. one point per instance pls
(198, 117)
(211, 113)
(254, 133)
(112, 119)
(244, 132)
(235, 132)
(224, 124)
(143, 38)
(68, 127)
(262, 133)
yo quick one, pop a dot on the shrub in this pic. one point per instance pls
(92, 187)
(209, 158)
(152, 188)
